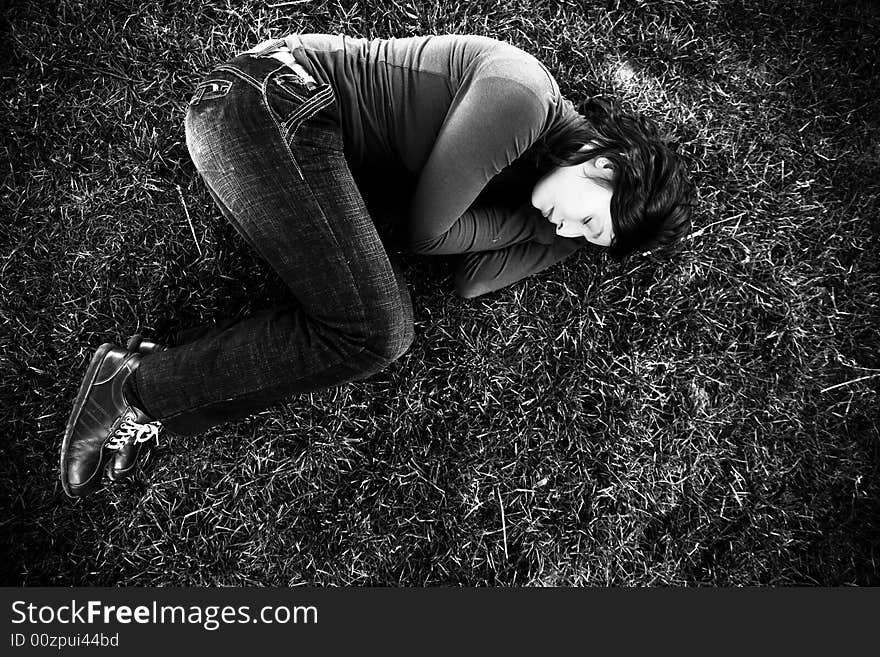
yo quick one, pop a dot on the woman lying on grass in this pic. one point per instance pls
(508, 173)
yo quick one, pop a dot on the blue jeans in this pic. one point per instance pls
(267, 143)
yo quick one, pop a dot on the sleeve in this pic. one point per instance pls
(490, 227)
(481, 273)
(489, 124)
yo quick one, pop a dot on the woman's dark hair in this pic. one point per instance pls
(653, 195)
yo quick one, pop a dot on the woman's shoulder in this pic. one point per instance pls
(490, 56)
(508, 61)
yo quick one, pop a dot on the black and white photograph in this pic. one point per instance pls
(440, 293)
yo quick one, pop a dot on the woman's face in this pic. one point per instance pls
(579, 204)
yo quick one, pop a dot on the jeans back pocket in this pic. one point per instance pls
(294, 85)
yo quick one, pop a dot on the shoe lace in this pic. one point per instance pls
(130, 432)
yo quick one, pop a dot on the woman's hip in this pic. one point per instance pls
(260, 101)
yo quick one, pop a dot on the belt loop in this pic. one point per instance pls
(287, 59)
(264, 47)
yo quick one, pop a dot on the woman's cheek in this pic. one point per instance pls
(536, 194)
(542, 192)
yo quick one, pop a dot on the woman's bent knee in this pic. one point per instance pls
(395, 334)
(388, 346)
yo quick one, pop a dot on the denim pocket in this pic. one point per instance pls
(293, 84)
(292, 102)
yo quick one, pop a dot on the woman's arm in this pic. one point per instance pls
(481, 273)
(489, 227)
(491, 122)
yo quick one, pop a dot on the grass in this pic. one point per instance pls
(706, 420)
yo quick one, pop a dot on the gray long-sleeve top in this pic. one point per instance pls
(457, 112)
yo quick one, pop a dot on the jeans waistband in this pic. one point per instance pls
(282, 50)
(293, 41)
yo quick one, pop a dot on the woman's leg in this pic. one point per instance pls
(271, 154)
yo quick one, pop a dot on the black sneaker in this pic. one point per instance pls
(136, 453)
(102, 421)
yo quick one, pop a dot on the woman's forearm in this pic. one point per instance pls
(489, 228)
(481, 273)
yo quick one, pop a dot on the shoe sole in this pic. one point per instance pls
(85, 386)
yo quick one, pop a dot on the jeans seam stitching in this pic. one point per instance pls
(275, 121)
(301, 115)
(306, 106)
(241, 74)
(301, 98)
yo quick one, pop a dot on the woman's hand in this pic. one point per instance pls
(544, 230)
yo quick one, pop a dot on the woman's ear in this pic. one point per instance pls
(604, 163)
(599, 167)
